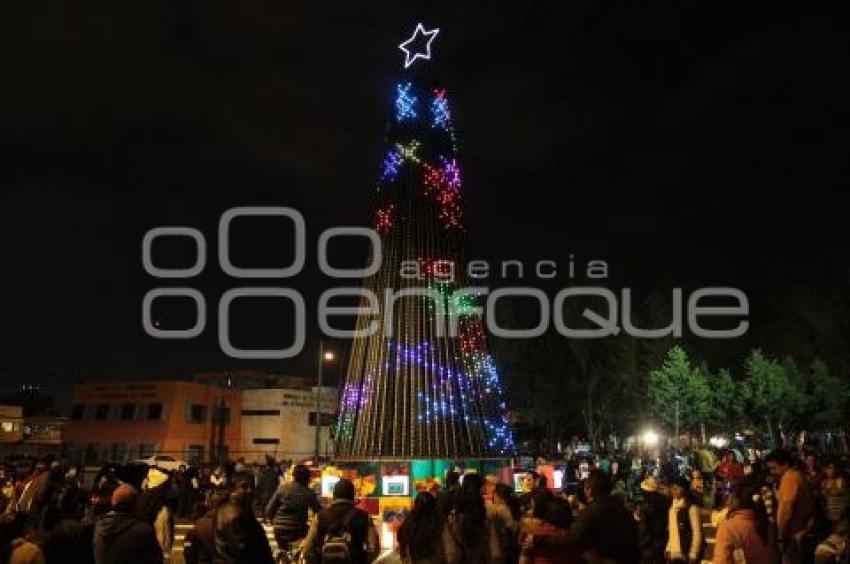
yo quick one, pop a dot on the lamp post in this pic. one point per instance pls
(323, 356)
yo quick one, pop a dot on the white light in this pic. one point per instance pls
(329, 355)
(408, 59)
(650, 438)
(718, 442)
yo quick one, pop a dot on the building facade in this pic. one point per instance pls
(281, 422)
(11, 424)
(32, 437)
(124, 421)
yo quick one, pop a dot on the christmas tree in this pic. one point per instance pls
(414, 388)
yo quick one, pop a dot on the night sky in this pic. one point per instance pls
(685, 143)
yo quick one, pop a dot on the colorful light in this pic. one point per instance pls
(384, 218)
(390, 166)
(412, 392)
(405, 103)
(440, 109)
(443, 184)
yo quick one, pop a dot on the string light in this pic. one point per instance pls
(405, 103)
(420, 30)
(440, 109)
(384, 218)
(413, 394)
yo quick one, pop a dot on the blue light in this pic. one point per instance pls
(405, 103)
(440, 109)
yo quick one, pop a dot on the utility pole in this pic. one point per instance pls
(677, 422)
(323, 356)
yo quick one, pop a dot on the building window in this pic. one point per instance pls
(196, 413)
(102, 412)
(9, 426)
(154, 412)
(92, 455)
(119, 452)
(327, 420)
(147, 450)
(128, 412)
(259, 412)
(77, 411)
(266, 441)
(195, 454)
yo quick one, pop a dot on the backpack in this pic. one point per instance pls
(336, 548)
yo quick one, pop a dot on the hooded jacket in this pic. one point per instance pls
(124, 538)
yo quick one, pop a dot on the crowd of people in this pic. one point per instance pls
(779, 508)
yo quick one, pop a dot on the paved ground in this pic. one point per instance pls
(181, 529)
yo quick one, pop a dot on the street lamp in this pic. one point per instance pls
(650, 438)
(324, 356)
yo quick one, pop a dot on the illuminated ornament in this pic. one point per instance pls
(405, 103)
(410, 54)
(440, 109)
(443, 185)
(384, 219)
(390, 166)
(408, 152)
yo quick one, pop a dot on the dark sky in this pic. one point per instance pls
(686, 143)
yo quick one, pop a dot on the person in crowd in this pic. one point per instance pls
(446, 497)
(532, 483)
(652, 518)
(729, 474)
(184, 491)
(420, 535)
(14, 546)
(467, 537)
(605, 531)
(8, 493)
(834, 500)
(669, 470)
(504, 514)
(218, 479)
(267, 482)
(545, 532)
(746, 530)
(812, 472)
(795, 506)
(684, 525)
(288, 509)
(33, 488)
(697, 487)
(604, 462)
(239, 537)
(157, 504)
(199, 544)
(121, 536)
(342, 528)
(66, 538)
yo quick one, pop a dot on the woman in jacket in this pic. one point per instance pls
(745, 530)
(684, 526)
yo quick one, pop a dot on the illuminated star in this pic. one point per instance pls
(409, 56)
